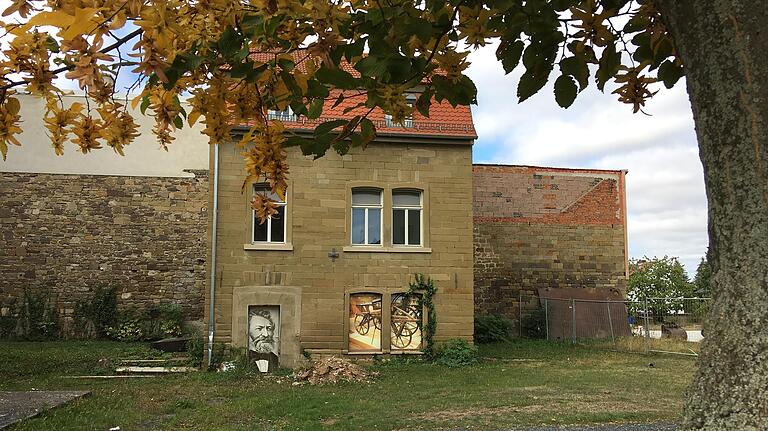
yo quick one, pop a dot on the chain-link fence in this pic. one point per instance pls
(666, 325)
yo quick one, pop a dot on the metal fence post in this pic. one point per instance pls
(546, 315)
(647, 328)
(610, 322)
(573, 321)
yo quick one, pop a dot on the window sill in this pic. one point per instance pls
(406, 352)
(369, 249)
(268, 246)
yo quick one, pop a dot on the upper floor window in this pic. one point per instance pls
(410, 100)
(366, 216)
(284, 115)
(406, 217)
(273, 229)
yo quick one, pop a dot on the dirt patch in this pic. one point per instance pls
(333, 370)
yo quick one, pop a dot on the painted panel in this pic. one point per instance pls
(406, 322)
(264, 336)
(365, 322)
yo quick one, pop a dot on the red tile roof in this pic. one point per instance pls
(443, 120)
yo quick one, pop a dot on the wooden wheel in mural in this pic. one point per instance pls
(362, 324)
(401, 338)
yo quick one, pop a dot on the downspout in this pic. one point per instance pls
(211, 302)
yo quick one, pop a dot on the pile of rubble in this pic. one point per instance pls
(333, 370)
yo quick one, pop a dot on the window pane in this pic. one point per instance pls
(374, 226)
(264, 190)
(414, 227)
(406, 198)
(259, 230)
(364, 322)
(358, 226)
(366, 197)
(278, 225)
(405, 322)
(398, 227)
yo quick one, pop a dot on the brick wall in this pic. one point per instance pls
(545, 227)
(72, 233)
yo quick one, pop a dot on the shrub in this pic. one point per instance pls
(94, 315)
(165, 320)
(37, 318)
(491, 328)
(456, 353)
(129, 327)
(534, 324)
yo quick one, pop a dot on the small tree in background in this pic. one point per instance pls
(658, 278)
(701, 279)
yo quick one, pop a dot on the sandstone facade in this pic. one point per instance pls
(545, 227)
(318, 219)
(71, 233)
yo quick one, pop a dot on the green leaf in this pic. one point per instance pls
(315, 108)
(354, 49)
(338, 100)
(670, 73)
(578, 68)
(178, 122)
(230, 42)
(337, 77)
(509, 53)
(609, 66)
(144, 104)
(328, 126)
(565, 91)
(371, 66)
(539, 59)
(367, 131)
(463, 92)
(424, 102)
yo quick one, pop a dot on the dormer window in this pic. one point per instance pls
(284, 115)
(410, 100)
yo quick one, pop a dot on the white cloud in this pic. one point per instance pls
(666, 200)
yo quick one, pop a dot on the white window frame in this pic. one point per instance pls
(408, 121)
(366, 207)
(420, 207)
(283, 204)
(286, 115)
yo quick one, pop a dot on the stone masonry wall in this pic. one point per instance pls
(71, 233)
(545, 227)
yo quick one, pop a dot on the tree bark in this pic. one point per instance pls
(723, 45)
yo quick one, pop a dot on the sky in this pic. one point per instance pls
(666, 201)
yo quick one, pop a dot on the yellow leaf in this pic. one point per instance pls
(12, 105)
(84, 23)
(3, 149)
(192, 117)
(55, 18)
(136, 100)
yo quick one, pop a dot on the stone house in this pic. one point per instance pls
(328, 274)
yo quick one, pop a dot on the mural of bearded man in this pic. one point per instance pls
(263, 342)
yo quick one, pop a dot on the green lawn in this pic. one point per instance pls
(522, 383)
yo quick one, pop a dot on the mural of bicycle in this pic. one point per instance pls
(406, 322)
(367, 314)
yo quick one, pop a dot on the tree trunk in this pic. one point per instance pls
(724, 46)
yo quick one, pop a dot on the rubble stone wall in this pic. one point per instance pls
(69, 234)
(545, 227)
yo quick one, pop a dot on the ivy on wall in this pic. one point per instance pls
(425, 288)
